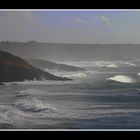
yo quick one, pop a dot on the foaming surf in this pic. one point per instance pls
(122, 79)
(130, 64)
(32, 104)
(138, 74)
(30, 92)
(41, 82)
(71, 74)
(39, 103)
(10, 116)
(101, 64)
(27, 102)
(111, 66)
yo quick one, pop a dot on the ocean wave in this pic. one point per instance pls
(30, 92)
(16, 115)
(111, 66)
(130, 64)
(138, 74)
(32, 104)
(47, 82)
(122, 79)
(4, 120)
(9, 116)
(101, 63)
(27, 102)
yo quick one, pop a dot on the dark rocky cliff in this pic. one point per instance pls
(13, 68)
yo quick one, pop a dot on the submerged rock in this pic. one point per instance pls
(2, 84)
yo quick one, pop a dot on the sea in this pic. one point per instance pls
(105, 96)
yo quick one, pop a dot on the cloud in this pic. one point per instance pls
(103, 19)
(20, 25)
(78, 20)
(26, 25)
(16, 16)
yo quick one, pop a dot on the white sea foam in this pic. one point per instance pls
(10, 115)
(130, 64)
(32, 104)
(112, 66)
(101, 63)
(29, 82)
(47, 82)
(15, 114)
(4, 119)
(26, 101)
(30, 92)
(71, 74)
(122, 79)
(138, 74)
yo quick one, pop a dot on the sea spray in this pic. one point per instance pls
(122, 79)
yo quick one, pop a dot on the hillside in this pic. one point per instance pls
(13, 68)
(45, 64)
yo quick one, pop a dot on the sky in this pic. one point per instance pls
(70, 26)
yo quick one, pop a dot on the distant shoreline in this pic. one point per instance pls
(98, 44)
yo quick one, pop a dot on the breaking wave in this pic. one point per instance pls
(30, 92)
(138, 74)
(32, 104)
(101, 63)
(10, 116)
(27, 102)
(111, 66)
(130, 64)
(122, 79)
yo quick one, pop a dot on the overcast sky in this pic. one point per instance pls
(71, 26)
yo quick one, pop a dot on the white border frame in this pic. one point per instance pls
(121, 10)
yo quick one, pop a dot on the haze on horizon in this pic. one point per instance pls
(90, 27)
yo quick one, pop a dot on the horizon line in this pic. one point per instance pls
(33, 41)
